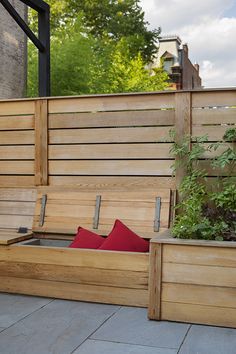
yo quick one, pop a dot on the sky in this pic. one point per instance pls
(209, 29)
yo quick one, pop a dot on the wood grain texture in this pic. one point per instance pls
(110, 167)
(111, 182)
(199, 295)
(113, 260)
(16, 122)
(155, 282)
(183, 126)
(41, 142)
(16, 181)
(214, 116)
(79, 275)
(111, 103)
(191, 313)
(24, 137)
(111, 151)
(199, 274)
(7, 238)
(73, 291)
(214, 98)
(22, 152)
(16, 168)
(214, 132)
(111, 119)
(18, 107)
(109, 135)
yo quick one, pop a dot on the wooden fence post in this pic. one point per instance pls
(183, 125)
(41, 142)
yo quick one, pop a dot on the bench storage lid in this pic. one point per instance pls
(62, 211)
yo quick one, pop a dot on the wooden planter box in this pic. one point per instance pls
(193, 281)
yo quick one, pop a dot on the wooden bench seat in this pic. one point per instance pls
(32, 267)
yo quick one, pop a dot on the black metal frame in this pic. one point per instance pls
(43, 40)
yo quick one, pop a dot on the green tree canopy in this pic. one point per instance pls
(109, 20)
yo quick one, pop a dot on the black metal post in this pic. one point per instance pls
(42, 43)
(44, 56)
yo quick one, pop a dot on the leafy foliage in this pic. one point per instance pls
(82, 64)
(203, 213)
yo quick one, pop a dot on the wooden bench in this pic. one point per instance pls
(16, 210)
(45, 266)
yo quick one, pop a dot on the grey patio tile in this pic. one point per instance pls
(101, 347)
(57, 328)
(14, 307)
(130, 325)
(209, 340)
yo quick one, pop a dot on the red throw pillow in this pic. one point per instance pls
(121, 238)
(86, 239)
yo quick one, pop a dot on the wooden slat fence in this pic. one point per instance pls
(106, 141)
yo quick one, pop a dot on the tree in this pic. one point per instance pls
(109, 20)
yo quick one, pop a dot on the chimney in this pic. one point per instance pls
(196, 66)
(185, 48)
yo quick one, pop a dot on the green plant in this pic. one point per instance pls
(203, 213)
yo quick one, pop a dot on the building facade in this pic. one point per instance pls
(13, 53)
(173, 55)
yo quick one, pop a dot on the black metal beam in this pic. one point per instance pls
(14, 14)
(44, 57)
(37, 5)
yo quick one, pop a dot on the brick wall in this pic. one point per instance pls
(13, 53)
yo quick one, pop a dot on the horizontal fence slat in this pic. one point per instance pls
(109, 135)
(132, 168)
(214, 116)
(214, 98)
(17, 153)
(101, 119)
(110, 182)
(111, 151)
(19, 107)
(16, 181)
(16, 137)
(16, 122)
(111, 103)
(215, 133)
(16, 168)
(226, 171)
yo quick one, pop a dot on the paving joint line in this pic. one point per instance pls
(140, 345)
(186, 334)
(107, 319)
(29, 314)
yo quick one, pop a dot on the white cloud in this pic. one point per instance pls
(209, 34)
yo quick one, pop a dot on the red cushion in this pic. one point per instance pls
(86, 239)
(121, 238)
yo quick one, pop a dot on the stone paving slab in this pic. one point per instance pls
(209, 340)
(102, 347)
(15, 307)
(58, 328)
(131, 326)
